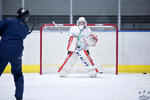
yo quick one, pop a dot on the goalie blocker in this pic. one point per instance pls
(79, 54)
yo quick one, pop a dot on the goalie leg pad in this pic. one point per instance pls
(92, 73)
(90, 60)
(86, 60)
(63, 73)
(66, 67)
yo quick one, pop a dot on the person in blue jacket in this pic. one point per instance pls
(13, 31)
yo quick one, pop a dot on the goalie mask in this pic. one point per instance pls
(81, 23)
(23, 14)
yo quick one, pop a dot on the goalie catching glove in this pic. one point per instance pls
(91, 40)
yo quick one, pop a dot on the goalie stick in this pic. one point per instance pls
(57, 27)
(59, 30)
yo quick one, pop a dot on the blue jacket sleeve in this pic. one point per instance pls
(2, 26)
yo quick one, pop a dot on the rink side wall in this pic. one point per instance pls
(134, 52)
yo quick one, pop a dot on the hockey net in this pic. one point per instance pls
(54, 41)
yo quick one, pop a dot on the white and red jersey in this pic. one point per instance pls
(80, 35)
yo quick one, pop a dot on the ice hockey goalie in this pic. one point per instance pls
(80, 39)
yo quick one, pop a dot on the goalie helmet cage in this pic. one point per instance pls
(59, 30)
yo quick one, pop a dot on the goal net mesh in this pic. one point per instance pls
(54, 41)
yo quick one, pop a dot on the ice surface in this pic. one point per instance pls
(77, 87)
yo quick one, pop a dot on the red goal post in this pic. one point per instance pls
(94, 25)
